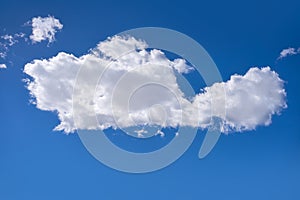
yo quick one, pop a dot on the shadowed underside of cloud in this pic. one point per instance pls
(125, 62)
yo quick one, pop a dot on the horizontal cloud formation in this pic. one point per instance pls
(288, 52)
(125, 63)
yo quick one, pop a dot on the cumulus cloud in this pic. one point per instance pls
(125, 63)
(44, 28)
(3, 66)
(251, 99)
(288, 52)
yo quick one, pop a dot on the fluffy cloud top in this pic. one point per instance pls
(44, 28)
(288, 52)
(251, 99)
(124, 63)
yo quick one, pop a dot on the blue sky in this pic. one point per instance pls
(38, 163)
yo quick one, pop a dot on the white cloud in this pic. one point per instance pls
(3, 55)
(7, 41)
(251, 100)
(11, 40)
(44, 28)
(159, 132)
(288, 52)
(3, 66)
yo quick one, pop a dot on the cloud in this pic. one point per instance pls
(7, 41)
(288, 52)
(124, 63)
(3, 54)
(251, 99)
(44, 28)
(11, 40)
(3, 66)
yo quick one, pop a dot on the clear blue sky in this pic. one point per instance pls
(37, 163)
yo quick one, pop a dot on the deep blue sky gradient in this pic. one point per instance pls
(37, 163)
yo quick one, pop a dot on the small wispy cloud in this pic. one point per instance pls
(288, 52)
(44, 28)
(7, 41)
(3, 66)
(3, 54)
(10, 38)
